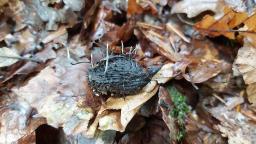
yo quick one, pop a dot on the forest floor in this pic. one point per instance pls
(128, 71)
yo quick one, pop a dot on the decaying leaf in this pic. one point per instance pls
(202, 71)
(75, 5)
(16, 122)
(195, 7)
(234, 125)
(57, 95)
(163, 45)
(165, 102)
(228, 17)
(50, 88)
(245, 65)
(134, 8)
(165, 74)
(8, 56)
(127, 107)
(154, 131)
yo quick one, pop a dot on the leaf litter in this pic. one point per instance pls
(203, 92)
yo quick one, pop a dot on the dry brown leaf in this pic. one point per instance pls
(245, 65)
(251, 92)
(203, 71)
(165, 73)
(234, 125)
(226, 24)
(133, 8)
(53, 35)
(8, 56)
(165, 103)
(57, 94)
(164, 46)
(212, 27)
(16, 122)
(228, 18)
(128, 107)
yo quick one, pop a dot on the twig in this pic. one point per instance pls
(184, 21)
(211, 30)
(106, 68)
(178, 32)
(22, 58)
(219, 98)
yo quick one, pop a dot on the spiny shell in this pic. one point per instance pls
(124, 76)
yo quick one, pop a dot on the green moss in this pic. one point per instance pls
(180, 110)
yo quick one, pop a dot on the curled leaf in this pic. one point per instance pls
(125, 109)
(203, 71)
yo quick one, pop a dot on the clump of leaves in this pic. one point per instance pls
(179, 111)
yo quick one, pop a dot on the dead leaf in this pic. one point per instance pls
(8, 56)
(195, 7)
(165, 104)
(53, 35)
(228, 15)
(246, 64)
(154, 131)
(16, 122)
(164, 74)
(202, 71)
(197, 132)
(251, 92)
(234, 125)
(163, 45)
(133, 8)
(127, 107)
(57, 94)
(75, 5)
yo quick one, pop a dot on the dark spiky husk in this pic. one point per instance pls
(124, 76)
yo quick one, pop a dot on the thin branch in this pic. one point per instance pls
(22, 58)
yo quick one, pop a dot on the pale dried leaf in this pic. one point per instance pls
(75, 5)
(195, 7)
(251, 93)
(52, 16)
(16, 122)
(57, 93)
(53, 35)
(8, 56)
(234, 125)
(128, 107)
(164, 74)
(246, 64)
